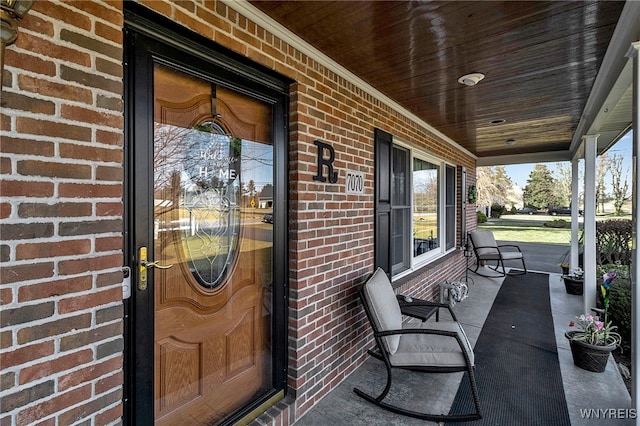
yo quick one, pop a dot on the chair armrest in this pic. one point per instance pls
(488, 247)
(416, 331)
(438, 305)
(420, 302)
(510, 245)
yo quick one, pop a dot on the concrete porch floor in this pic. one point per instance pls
(434, 393)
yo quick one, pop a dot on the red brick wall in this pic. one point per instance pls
(61, 163)
(61, 211)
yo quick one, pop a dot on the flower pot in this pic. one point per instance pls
(589, 357)
(565, 269)
(573, 285)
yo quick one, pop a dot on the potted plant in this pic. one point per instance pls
(565, 268)
(574, 281)
(594, 340)
(563, 260)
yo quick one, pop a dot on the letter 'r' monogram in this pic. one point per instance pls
(333, 176)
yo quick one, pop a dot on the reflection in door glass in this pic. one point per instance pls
(209, 203)
(208, 166)
(213, 185)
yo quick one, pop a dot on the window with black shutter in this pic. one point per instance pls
(415, 206)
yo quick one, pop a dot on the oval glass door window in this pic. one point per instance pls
(209, 201)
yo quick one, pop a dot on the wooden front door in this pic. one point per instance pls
(203, 190)
(212, 310)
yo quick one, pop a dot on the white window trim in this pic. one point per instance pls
(429, 257)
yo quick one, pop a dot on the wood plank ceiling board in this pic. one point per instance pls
(540, 59)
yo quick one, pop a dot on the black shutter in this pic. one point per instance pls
(382, 164)
(450, 206)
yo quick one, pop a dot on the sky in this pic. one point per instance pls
(519, 173)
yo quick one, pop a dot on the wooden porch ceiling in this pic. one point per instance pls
(540, 60)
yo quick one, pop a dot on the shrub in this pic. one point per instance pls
(620, 308)
(613, 241)
(557, 223)
(622, 271)
(482, 218)
(619, 299)
(497, 210)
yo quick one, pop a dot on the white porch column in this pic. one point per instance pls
(635, 258)
(589, 294)
(575, 207)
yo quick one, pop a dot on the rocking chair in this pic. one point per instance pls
(432, 347)
(487, 250)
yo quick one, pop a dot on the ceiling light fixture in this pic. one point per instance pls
(510, 141)
(471, 79)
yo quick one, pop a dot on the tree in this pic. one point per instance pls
(251, 188)
(504, 185)
(248, 191)
(485, 184)
(491, 186)
(563, 183)
(494, 187)
(540, 190)
(619, 188)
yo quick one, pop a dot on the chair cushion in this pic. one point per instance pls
(483, 241)
(486, 240)
(432, 350)
(385, 309)
(511, 255)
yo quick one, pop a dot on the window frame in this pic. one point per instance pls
(427, 256)
(447, 192)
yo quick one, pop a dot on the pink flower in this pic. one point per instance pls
(571, 324)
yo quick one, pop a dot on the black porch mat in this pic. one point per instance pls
(517, 369)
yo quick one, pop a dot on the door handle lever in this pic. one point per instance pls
(155, 265)
(144, 264)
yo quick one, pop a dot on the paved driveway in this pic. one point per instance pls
(541, 257)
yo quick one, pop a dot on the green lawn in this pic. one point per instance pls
(531, 229)
(528, 229)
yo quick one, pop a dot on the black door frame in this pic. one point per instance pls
(151, 38)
